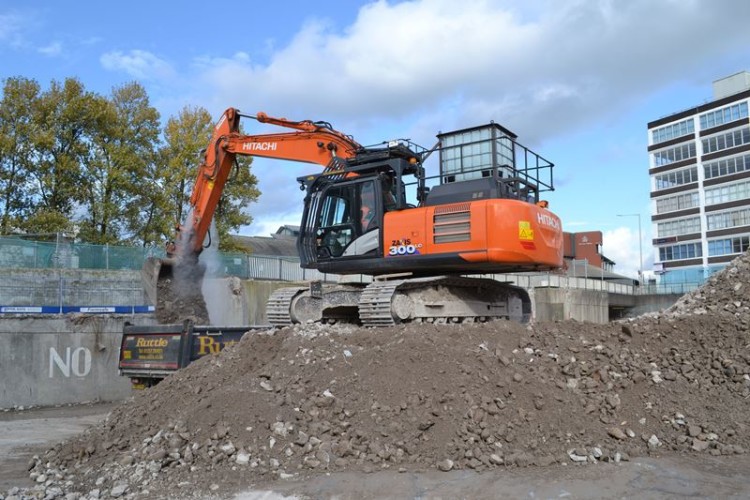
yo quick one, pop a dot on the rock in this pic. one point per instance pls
(445, 465)
(53, 492)
(576, 456)
(694, 430)
(699, 445)
(653, 442)
(118, 490)
(242, 457)
(617, 433)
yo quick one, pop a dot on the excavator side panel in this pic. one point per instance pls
(503, 232)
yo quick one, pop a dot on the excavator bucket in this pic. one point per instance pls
(153, 271)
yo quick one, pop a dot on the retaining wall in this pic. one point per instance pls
(52, 360)
(557, 304)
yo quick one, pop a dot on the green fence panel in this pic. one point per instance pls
(91, 256)
(233, 264)
(18, 253)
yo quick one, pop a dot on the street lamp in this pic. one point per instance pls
(640, 244)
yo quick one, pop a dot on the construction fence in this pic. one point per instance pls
(60, 253)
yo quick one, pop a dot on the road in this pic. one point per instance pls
(24, 434)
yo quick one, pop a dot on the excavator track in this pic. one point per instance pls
(442, 300)
(375, 308)
(329, 304)
(278, 306)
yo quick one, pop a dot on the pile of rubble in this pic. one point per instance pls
(313, 399)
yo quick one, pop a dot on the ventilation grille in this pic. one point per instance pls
(452, 224)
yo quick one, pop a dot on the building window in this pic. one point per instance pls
(676, 178)
(727, 166)
(725, 220)
(679, 202)
(724, 115)
(671, 155)
(726, 141)
(679, 129)
(678, 227)
(680, 252)
(728, 246)
(725, 194)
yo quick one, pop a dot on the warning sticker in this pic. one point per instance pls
(525, 233)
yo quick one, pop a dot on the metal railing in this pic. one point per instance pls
(62, 253)
(57, 290)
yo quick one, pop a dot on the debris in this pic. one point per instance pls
(423, 396)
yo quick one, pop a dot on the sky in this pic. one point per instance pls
(576, 80)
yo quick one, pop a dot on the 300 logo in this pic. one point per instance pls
(403, 247)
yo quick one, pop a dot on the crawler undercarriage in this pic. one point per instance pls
(443, 299)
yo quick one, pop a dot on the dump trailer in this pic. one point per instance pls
(148, 354)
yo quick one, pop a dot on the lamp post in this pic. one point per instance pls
(640, 245)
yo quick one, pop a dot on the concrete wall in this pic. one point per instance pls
(653, 303)
(551, 304)
(70, 287)
(53, 360)
(235, 302)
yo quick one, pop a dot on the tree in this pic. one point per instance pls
(64, 117)
(185, 138)
(16, 130)
(124, 138)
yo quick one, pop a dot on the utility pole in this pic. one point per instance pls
(640, 245)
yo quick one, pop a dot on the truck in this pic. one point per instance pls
(148, 354)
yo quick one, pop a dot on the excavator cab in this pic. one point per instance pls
(348, 219)
(344, 213)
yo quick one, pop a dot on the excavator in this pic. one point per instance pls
(427, 241)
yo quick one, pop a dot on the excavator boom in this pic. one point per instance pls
(311, 142)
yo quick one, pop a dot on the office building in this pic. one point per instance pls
(699, 165)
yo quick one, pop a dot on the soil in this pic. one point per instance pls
(307, 400)
(179, 298)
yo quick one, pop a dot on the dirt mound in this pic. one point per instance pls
(315, 399)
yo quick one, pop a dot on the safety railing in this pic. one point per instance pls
(63, 292)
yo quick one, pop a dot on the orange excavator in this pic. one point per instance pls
(374, 211)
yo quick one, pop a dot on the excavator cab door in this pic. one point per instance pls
(342, 220)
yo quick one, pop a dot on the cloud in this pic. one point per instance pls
(52, 50)
(540, 73)
(11, 28)
(139, 64)
(544, 69)
(621, 246)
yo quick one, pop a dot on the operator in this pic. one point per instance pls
(367, 207)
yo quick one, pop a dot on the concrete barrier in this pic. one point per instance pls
(557, 304)
(46, 361)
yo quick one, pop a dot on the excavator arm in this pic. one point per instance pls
(313, 142)
(310, 142)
